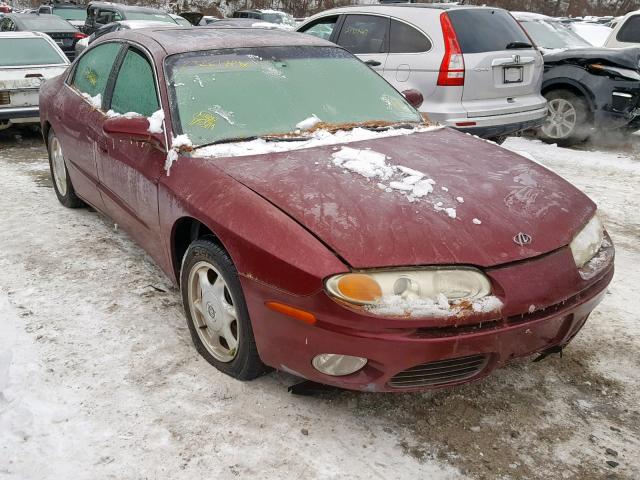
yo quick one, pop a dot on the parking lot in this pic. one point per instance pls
(99, 378)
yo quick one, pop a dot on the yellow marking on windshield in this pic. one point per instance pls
(203, 120)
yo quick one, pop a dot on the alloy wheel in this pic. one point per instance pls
(213, 311)
(561, 120)
(59, 169)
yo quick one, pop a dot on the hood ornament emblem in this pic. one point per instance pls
(522, 239)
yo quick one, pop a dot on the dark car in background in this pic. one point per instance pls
(61, 31)
(103, 13)
(75, 14)
(588, 89)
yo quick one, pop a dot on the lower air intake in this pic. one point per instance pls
(440, 373)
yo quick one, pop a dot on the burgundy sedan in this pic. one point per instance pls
(313, 222)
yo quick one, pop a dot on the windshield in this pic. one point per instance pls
(71, 13)
(28, 51)
(251, 92)
(158, 17)
(547, 34)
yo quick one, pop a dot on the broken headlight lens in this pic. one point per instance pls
(366, 288)
(587, 243)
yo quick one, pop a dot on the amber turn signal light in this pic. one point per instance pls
(288, 310)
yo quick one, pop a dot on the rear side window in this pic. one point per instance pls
(406, 39)
(484, 30)
(364, 34)
(94, 68)
(322, 28)
(28, 51)
(630, 31)
(135, 89)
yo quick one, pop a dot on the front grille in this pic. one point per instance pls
(5, 98)
(439, 373)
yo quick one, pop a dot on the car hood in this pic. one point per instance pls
(618, 57)
(496, 194)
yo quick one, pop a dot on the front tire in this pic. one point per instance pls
(59, 174)
(217, 313)
(568, 121)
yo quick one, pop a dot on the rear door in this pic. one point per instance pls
(412, 62)
(503, 72)
(81, 116)
(366, 36)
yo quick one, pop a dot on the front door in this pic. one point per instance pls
(129, 171)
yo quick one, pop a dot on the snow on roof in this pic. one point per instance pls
(528, 16)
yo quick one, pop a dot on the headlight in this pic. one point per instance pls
(366, 288)
(587, 243)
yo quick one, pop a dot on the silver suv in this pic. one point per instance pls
(475, 67)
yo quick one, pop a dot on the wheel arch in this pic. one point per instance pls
(46, 128)
(184, 232)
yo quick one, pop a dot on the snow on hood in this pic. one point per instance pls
(335, 191)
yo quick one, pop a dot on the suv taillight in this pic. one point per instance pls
(452, 66)
(79, 35)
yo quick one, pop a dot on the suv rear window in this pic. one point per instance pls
(485, 30)
(630, 31)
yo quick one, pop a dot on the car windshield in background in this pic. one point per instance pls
(46, 23)
(70, 13)
(28, 51)
(251, 92)
(484, 30)
(158, 17)
(548, 34)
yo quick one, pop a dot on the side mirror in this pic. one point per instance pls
(135, 129)
(414, 97)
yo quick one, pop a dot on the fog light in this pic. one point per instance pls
(338, 365)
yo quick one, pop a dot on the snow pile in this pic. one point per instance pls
(181, 143)
(308, 123)
(112, 114)
(155, 122)
(397, 306)
(593, 33)
(96, 102)
(316, 139)
(373, 165)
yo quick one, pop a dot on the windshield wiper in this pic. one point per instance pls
(516, 45)
(228, 140)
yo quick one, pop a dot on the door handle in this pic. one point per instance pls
(373, 63)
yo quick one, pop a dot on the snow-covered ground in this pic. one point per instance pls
(99, 379)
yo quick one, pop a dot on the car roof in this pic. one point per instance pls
(188, 39)
(395, 7)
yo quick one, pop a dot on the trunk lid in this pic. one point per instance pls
(19, 86)
(371, 227)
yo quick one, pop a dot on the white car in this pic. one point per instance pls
(27, 60)
(474, 66)
(625, 33)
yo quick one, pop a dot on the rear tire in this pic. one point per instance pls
(217, 313)
(59, 174)
(568, 121)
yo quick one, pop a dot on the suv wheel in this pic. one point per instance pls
(567, 122)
